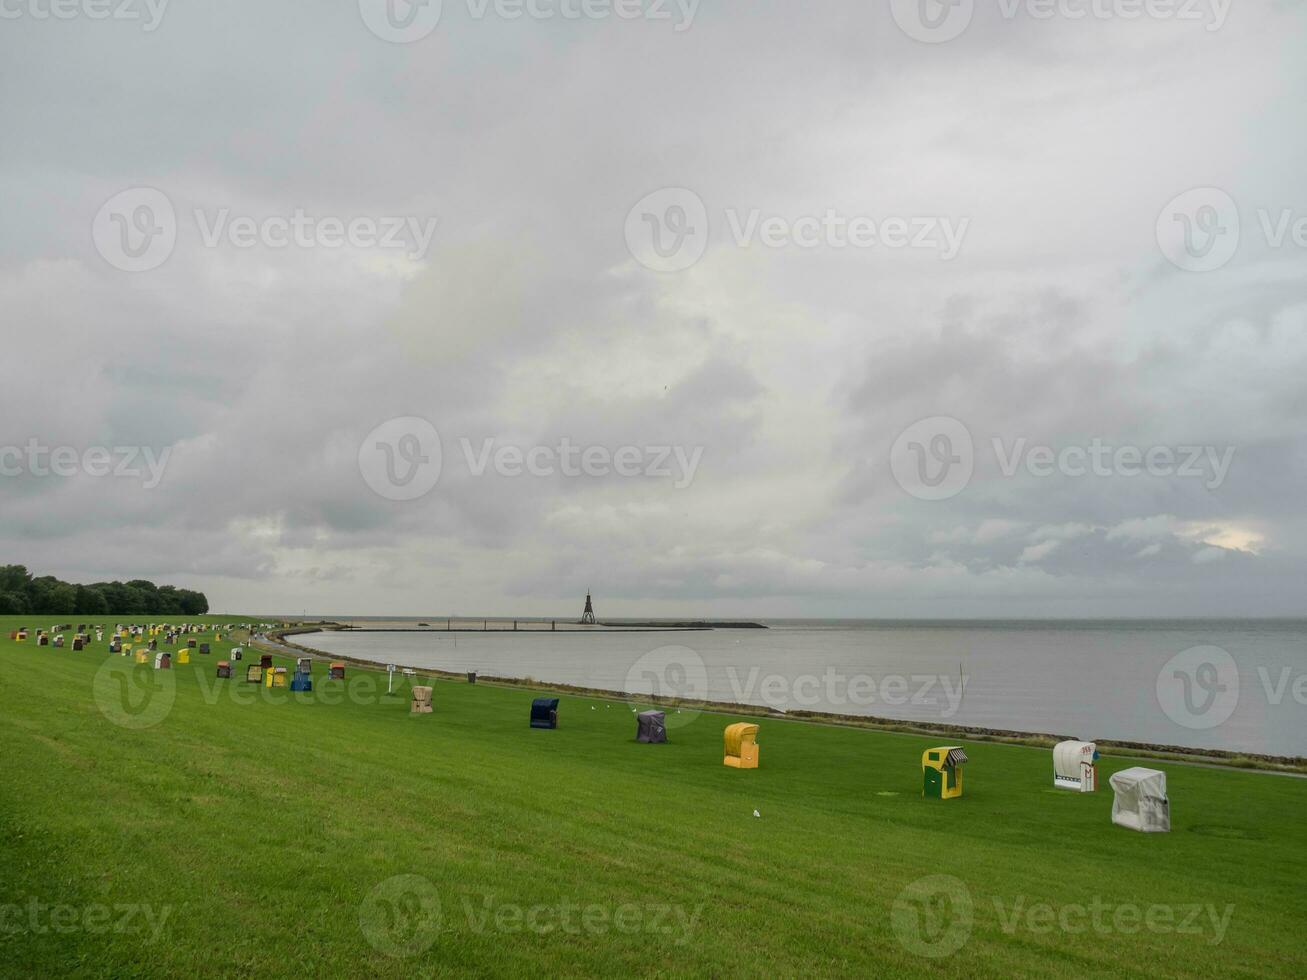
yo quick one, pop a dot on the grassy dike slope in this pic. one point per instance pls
(268, 826)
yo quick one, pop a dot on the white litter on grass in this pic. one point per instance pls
(756, 813)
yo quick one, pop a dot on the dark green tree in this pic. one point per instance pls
(14, 578)
(14, 604)
(21, 594)
(90, 602)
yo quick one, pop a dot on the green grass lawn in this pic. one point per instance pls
(263, 833)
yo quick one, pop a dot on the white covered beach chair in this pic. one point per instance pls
(1140, 802)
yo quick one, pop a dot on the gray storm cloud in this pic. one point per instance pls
(528, 318)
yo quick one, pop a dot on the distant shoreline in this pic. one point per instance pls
(873, 622)
(487, 625)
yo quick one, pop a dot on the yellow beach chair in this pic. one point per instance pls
(741, 746)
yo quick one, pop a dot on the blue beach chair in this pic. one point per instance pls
(544, 713)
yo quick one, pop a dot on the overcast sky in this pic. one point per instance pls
(895, 315)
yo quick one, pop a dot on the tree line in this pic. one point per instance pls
(21, 593)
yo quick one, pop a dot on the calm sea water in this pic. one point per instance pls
(1239, 685)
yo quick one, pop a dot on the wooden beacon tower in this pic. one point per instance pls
(588, 617)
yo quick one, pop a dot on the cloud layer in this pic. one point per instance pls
(1059, 326)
